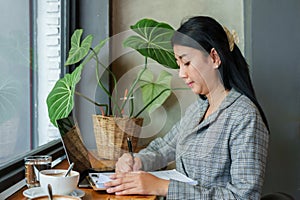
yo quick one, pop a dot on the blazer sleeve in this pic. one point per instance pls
(160, 151)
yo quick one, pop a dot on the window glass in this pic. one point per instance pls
(29, 66)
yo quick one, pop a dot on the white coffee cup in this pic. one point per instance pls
(60, 184)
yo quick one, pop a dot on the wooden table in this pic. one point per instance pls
(89, 192)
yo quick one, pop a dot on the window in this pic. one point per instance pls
(33, 42)
(31, 55)
(14, 80)
(30, 65)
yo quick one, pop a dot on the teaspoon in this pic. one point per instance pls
(50, 192)
(69, 169)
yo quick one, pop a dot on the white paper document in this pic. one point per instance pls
(100, 178)
(174, 175)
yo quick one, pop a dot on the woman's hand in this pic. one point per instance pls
(126, 164)
(137, 183)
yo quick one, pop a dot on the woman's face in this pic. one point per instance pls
(197, 68)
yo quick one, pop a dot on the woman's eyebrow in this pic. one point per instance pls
(181, 56)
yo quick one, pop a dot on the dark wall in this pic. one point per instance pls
(273, 39)
(93, 17)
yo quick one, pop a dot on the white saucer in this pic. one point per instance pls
(38, 191)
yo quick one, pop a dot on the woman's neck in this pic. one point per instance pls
(215, 98)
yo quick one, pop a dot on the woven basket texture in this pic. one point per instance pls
(111, 135)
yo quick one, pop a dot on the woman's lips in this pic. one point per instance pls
(190, 84)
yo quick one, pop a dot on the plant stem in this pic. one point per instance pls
(150, 102)
(131, 107)
(101, 84)
(90, 100)
(131, 89)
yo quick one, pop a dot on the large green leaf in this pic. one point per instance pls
(159, 89)
(78, 50)
(96, 50)
(60, 100)
(154, 41)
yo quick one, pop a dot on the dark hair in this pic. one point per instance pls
(204, 33)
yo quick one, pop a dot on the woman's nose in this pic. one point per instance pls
(182, 72)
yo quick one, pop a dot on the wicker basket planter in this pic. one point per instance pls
(111, 135)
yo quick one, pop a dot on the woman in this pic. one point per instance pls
(223, 138)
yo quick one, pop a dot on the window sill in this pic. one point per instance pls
(13, 173)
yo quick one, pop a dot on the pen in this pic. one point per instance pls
(130, 148)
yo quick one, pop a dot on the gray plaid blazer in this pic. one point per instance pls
(226, 153)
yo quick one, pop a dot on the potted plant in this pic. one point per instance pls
(152, 40)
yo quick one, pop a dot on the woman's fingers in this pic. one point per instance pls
(120, 182)
(127, 191)
(124, 163)
(137, 164)
(123, 168)
(137, 183)
(122, 175)
(120, 188)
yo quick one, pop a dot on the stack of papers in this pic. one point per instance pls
(98, 179)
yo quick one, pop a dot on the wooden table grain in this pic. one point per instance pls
(90, 194)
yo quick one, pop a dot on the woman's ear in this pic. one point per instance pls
(215, 57)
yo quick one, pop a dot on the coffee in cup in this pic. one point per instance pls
(60, 184)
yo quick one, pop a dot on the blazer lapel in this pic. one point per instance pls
(229, 99)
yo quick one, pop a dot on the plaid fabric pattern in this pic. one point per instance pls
(226, 153)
